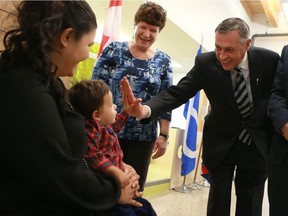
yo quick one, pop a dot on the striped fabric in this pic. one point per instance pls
(242, 100)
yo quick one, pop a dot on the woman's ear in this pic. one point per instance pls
(96, 115)
(66, 35)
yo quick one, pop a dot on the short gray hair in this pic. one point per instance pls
(234, 23)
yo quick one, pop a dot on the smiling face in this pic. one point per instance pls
(145, 35)
(229, 49)
(71, 51)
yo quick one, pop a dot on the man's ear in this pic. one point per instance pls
(248, 43)
(66, 35)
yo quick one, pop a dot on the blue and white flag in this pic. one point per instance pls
(190, 136)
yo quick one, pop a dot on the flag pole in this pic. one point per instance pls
(205, 110)
(188, 145)
(183, 188)
(196, 186)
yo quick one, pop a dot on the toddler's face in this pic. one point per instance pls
(108, 110)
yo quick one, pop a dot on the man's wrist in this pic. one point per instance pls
(148, 111)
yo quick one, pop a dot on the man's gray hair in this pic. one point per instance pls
(235, 23)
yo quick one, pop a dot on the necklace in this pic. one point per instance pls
(70, 105)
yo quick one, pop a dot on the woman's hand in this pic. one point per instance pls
(126, 198)
(121, 177)
(284, 130)
(133, 176)
(160, 147)
(130, 191)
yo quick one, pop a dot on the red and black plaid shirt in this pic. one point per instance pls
(103, 146)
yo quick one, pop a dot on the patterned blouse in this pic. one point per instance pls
(146, 77)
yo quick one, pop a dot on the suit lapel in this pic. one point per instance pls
(226, 84)
(256, 76)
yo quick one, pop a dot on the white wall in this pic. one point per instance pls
(178, 120)
(200, 17)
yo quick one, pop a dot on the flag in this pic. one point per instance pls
(190, 135)
(205, 173)
(200, 49)
(111, 30)
(204, 170)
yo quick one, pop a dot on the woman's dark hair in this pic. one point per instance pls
(40, 22)
(88, 96)
(152, 14)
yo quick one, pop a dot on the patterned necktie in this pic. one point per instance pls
(242, 100)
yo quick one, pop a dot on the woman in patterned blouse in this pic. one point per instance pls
(149, 71)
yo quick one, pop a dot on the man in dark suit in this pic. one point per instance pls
(278, 166)
(223, 152)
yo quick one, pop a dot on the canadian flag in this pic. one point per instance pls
(112, 24)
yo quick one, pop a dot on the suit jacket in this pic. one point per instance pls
(278, 109)
(223, 123)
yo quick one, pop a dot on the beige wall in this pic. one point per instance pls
(6, 8)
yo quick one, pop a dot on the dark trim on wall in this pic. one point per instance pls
(267, 35)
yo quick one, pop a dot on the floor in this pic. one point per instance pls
(168, 202)
(193, 203)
